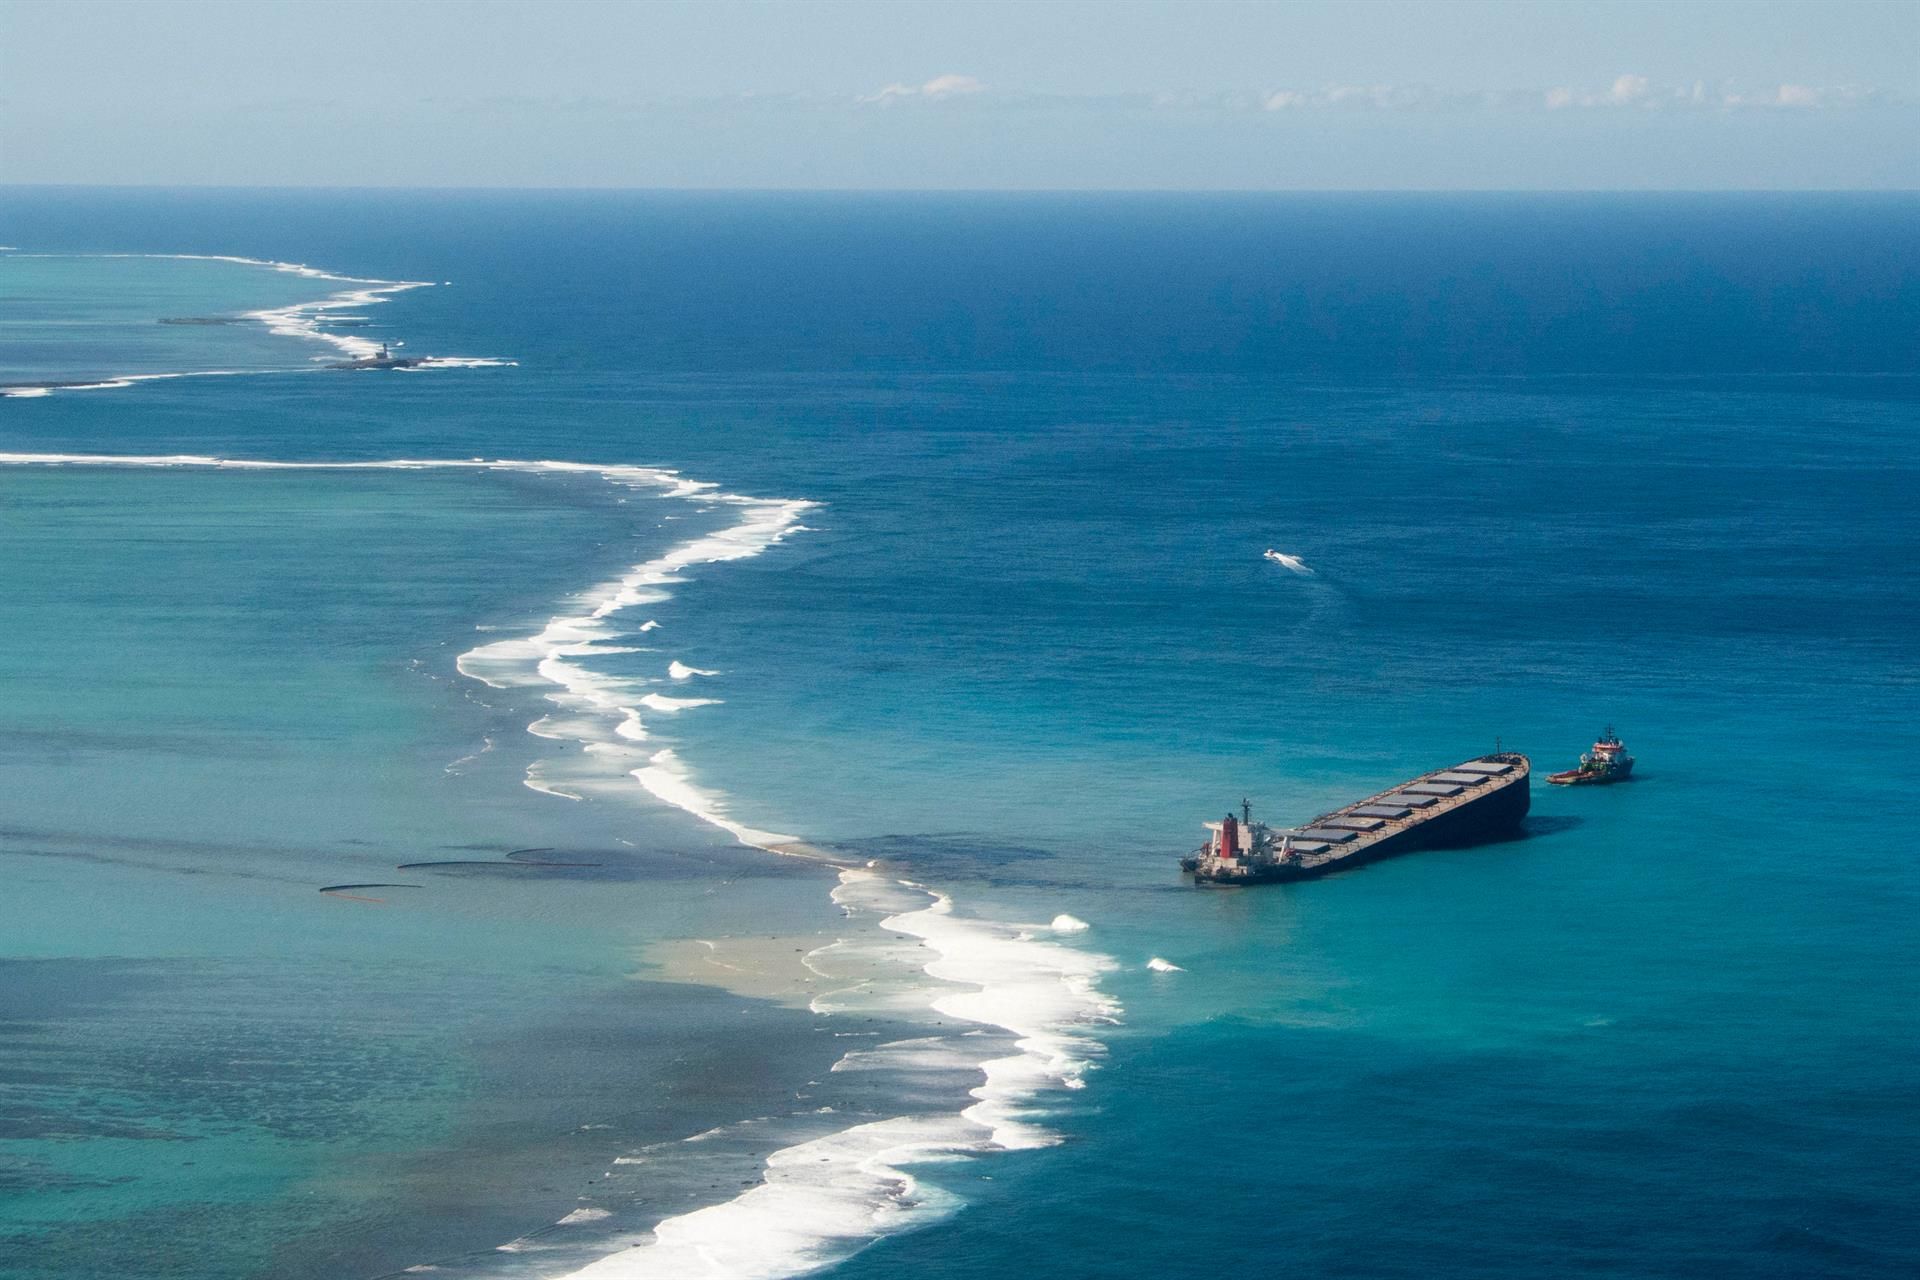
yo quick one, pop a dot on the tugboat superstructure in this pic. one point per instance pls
(1607, 762)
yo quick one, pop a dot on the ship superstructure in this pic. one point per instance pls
(384, 360)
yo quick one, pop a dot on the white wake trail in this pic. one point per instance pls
(1291, 563)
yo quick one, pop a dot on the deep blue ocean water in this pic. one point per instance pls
(1555, 462)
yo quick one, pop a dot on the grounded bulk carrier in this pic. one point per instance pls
(1471, 803)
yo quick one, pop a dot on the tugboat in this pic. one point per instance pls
(1607, 763)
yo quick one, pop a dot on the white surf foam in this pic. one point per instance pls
(31, 390)
(302, 320)
(305, 320)
(546, 658)
(1043, 992)
(536, 778)
(611, 705)
(669, 780)
(660, 702)
(908, 954)
(817, 1202)
(1164, 966)
(821, 1200)
(464, 362)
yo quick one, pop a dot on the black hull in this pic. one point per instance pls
(1490, 816)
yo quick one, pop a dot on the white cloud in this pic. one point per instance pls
(1637, 91)
(950, 85)
(1628, 92)
(1364, 97)
(1629, 89)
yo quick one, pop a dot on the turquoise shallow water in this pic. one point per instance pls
(1552, 463)
(204, 1050)
(94, 317)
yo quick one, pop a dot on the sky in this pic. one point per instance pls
(910, 94)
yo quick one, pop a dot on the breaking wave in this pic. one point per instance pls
(603, 712)
(33, 390)
(600, 711)
(1016, 1016)
(306, 321)
(1003, 1017)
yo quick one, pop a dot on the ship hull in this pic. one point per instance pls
(1578, 778)
(1491, 814)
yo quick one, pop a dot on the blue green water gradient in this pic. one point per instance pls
(1553, 463)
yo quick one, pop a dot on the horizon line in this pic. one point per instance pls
(624, 188)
